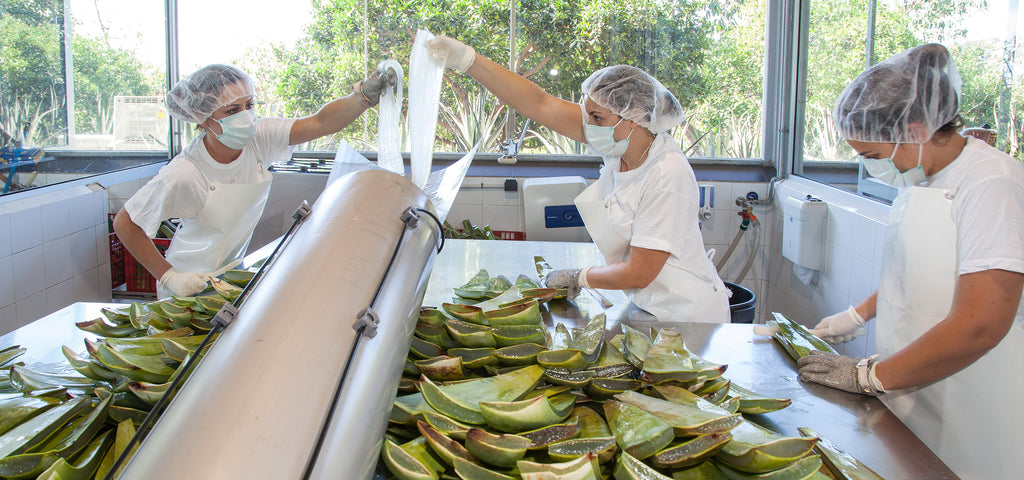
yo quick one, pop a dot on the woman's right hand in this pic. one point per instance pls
(457, 55)
(183, 284)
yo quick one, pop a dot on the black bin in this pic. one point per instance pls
(741, 303)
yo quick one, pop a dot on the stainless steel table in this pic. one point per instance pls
(860, 425)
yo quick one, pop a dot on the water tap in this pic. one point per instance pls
(510, 149)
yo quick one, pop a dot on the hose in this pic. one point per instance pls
(753, 251)
(732, 246)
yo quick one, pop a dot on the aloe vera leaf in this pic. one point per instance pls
(755, 449)
(467, 469)
(30, 380)
(637, 431)
(8, 355)
(240, 278)
(125, 432)
(497, 286)
(635, 345)
(84, 464)
(507, 335)
(591, 340)
(403, 465)
(668, 359)
(87, 367)
(583, 468)
(796, 339)
(800, 469)
(842, 465)
(561, 338)
(525, 415)
(526, 283)
(691, 451)
(408, 408)
(420, 449)
(702, 471)
(64, 443)
(150, 393)
(150, 369)
(99, 327)
(501, 450)
(445, 448)
(685, 418)
(527, 313)
(29, 433)
(508, 296)
(752, 402)
(14, 411)
(542, 437)
(628, 468)
(566, 359)
(476, 287)
(461, 401)
(116, 316)
(441, 368)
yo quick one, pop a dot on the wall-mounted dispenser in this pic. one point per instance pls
(549, 211)
(707, 201)
(803, 231)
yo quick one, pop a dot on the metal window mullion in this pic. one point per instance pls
(171, 30)
(69, 73)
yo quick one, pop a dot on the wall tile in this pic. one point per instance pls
(498, 196)
(82, 213)
(469, 196)
(55, 220)
(60, 296)
(103, 293)
(31, 308)
(863, 281)
(6, 281)
(8, 318)
(863, 241)
(503, 217)
(29, 273)
(5, 236)
(838, 270)
(83, 251)
(57, 260)
(101, 242)
(102, 205)
(458, 213)
(26, 229)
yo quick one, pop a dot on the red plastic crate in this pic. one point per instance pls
(137, 278)
(509, 235)
(116, 261)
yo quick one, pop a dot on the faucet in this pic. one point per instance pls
(509, 149)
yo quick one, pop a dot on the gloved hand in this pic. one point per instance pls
(459, 56)
(184, 284)
(840, 327)
(569, 279)
(368, 91)
(855, 375)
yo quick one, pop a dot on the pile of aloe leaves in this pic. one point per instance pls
(73, 424)
(490, 392)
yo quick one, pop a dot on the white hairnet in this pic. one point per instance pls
(195, 97)
(916, 86)
(634, 95)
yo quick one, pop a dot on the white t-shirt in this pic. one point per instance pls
(180, 188)
(988, 207)
(655, 206)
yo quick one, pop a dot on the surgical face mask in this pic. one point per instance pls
(238, 130)
(603, 140)
(886, 172)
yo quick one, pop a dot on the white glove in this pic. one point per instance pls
(184, 284)
(840, 327)
(459, 56)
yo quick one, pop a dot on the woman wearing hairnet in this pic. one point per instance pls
(950, 321)
(642, 211)
(219, 183)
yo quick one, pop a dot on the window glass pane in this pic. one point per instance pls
(974, 31)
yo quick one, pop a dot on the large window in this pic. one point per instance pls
(846, 36)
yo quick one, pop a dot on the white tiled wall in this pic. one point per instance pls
(54, 251)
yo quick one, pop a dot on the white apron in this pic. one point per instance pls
(222, 230)
(971, 420)
(675, 294)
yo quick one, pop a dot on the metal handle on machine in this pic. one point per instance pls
(221, 320)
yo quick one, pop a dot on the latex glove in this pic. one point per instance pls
(855, 375)
(840, 327)
(569, 279)
(368, 90)
(459, 55)
(184, 284)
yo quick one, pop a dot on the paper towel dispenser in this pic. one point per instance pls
(803, 231)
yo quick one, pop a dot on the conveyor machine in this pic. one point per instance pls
(301, 383)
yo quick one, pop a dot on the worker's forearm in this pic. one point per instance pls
(139, 244)
(868, 308)
(330, 119)
(939, 353)
(639, 271)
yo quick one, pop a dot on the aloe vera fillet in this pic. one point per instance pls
(84, 464)
(755, 449)
(842, 465)
(403, 465)
(800, 469)
(67, 441)
(591, 340)
(795, 338)
(526, 283)
(690, 452)
(751, 402)
(522, 314)
(22, 437)
(445, 448)
(583, 468)
(685, 419)
(591, 423)
(629, 468)
(420, 449)
(461, 401)
(470, 470)
(529, 414)
(604, 447)
(14, 411)
(408, 407)
(637, 431)
(499, 450)
(476, 287)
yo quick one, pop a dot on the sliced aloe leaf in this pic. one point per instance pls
(795, 338)
(565, 359)
(687, 414)
(14, 411)
(515, 334)
(121, 414)
(8, 355)
(519, 354)
(420, 449)
(226, 289)
(601, 388)
(469, 313)
(118, 316)
(800, 469)
(755, 449)
(84, 464)
(635, 345)
(67, 440)
(99, 327)
(637, 431)
(497, 285)
(29, 433)
(525, 415)
(431, 316)
(470, 334)
(690, 451)
(577, 379)
(526, 283)
(498, 450)
(239, 278)
(420, 348)
(471, 471)
(445, 448)
(842, 465)
(629, 468)
(476, 287)
(592, 425)
(461, 401)
(29, 380)
(582, 468)
(751, 402)
(542, 437)
(409, 408)
(475, 357)
(143, 368)
(150, 393)
(125, 432)
(448, 426)
(604, 447)
(591, 340)
(669, 360)
(403, 465)
(441, 368)
(527, 313)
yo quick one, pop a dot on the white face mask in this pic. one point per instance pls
(885, 171)
(603, 139)
(238, 130)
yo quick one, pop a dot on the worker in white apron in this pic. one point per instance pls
(950, 324)
(642, 211)
(219, 184)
